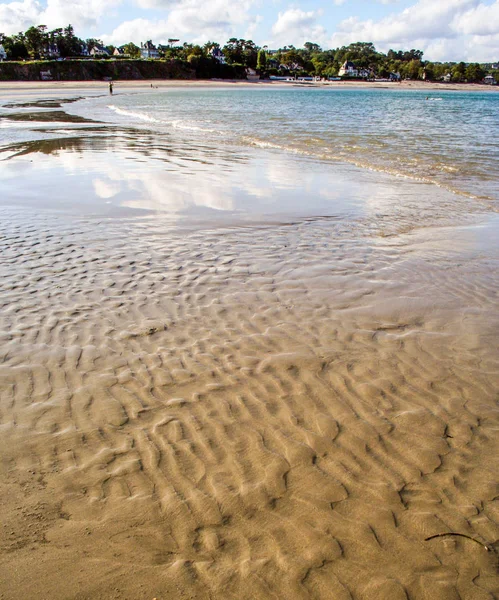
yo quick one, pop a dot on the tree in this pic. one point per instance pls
(292, 60)
(93, 43)
(458, 72)
(233, 51)
(311, 47)
(35, 40)
(132, 50)
(262, 60)
(474, 72)
(15, 47)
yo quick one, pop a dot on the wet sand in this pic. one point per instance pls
(230, 409)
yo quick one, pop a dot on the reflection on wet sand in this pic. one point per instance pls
(287, 402)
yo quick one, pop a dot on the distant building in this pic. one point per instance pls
(365, 73)
(84, 50)
(99, 51)
(348, 69)
(447, 78)
(120, 51)
(148, 50)
(218, 55)
(51, 51)
(3, 54)
(489, 80)
(251, 74)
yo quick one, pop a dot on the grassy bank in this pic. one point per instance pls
(88, 70)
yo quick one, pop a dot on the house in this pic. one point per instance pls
(99, 50)
(251, 74)
(365, 73)
(489, 80)
(446, 78)
(51, 51)
(84, 50)
(120, 51)
(3, 54)
(348, 69)
(395, 76)
(148, 50)
(218, 55)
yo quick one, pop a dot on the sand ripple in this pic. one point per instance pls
(244, 413)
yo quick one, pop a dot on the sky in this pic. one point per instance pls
(446, 30)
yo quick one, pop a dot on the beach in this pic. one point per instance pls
(143, 84)
(244, 368)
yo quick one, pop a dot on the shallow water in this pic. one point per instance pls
(228, 371)
(449, 138)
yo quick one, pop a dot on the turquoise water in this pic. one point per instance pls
(451, 138)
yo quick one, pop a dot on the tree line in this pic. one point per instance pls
(37, 43)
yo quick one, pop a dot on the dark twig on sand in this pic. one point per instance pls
(468, 537)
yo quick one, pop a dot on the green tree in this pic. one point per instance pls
(132, 50)
(36, 40)
(474, 73)
(312, 48)
(261, 63)
(459, 72)
(15, 47)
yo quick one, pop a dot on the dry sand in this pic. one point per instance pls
(26, 86)
(284, 411)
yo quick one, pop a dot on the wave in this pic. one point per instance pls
(131, 113)
(188, 127)
(326, 154)
(143, 116)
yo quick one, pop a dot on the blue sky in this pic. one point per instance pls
(444, 29)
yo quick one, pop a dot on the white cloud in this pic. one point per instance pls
(438, 27)
(295, 26)
(189, 20)
(18, 16)
(82, 14)
(479, 20)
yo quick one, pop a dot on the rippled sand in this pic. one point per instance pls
(250, 411)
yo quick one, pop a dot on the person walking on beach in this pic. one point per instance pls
(111, 88)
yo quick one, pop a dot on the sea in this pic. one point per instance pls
(296, 150)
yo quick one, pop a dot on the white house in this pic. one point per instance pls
(148, 50)
(446, 78)
(348, 69)
(3, 54)
(490, 80)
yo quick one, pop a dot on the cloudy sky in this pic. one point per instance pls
(444, 29)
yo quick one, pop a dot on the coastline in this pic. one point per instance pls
(6, 86)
